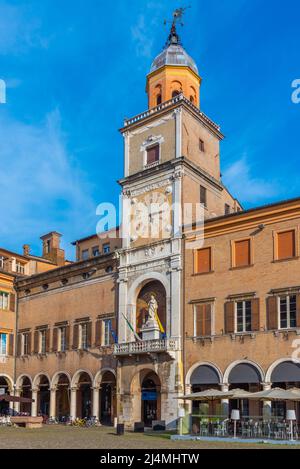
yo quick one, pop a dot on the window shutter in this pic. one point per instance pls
(203, 260)
(153, 154)
(11, 345)
(113, 328)
(255, 314)
(29, 342)
(298, 311)
(67, 337)
(55, 339)
(19, 345)
(75, 336)
(286, 245)
(12, 302)
(98, 333)
(272, 312)
(47, 340)
(229, 317)
(242, 253)
(36, 341)
(89, 334)
(207, 331)
(200, 320)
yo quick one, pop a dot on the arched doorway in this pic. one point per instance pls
(205, 377)
(25, 407)
(151, 400)
(63, 397)
(5, 388)
(43, 396)
(157, 290)
(286, 375)
(246, 376)
(107, 398)
(84, 396)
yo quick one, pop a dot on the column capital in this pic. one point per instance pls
(74, 389)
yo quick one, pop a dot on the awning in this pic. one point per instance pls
(213, 394)
(8, 398)
(276, 394)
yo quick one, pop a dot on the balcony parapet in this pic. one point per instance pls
(147, 347)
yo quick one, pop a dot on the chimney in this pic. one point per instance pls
(26, 250)
(51, 248)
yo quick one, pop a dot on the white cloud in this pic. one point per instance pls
(41, 186)
(142, 38)
(246, 187)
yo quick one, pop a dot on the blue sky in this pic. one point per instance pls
(75, 69)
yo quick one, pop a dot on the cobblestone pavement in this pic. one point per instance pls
(54, 436)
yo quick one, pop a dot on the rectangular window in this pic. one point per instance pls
(43, 338)
(4, 300)
(243, 316)
(152, 154)
(20, 268)
(203, 261)
(106, 328)
(3, 344)
(203, 196)
(85, 254)
(203, 320)
(227, 209)
(25, 344)
(201, 145)
(83, 344)
(286, 245)
(106, 248)
(96, 251)
(242, 253)
(1, 262)
(287, 312)
(62, 339)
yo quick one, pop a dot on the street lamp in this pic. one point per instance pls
(291, 417)
(235, 416)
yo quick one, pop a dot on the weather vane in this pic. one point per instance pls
(177, 19)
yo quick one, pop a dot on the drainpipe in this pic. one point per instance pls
(15, 344)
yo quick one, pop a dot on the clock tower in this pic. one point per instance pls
(171, 161)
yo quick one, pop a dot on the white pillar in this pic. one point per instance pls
(53, 402)
(17, 404)
(178, 125)
(225, 402)
(126, 153)
(96, 390)
(34, 403)
(73, 409)
(267, 405)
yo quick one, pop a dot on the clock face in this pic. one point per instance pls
(151, 217)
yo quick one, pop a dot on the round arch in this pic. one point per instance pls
(76, 377)
(275, 364)
(20, 379)
(37, 378)
(9, 380)
(100, 373)
(56, 376)
(243, 362)
(199, 364)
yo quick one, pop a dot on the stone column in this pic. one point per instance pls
(73, 409)
(267, 405)
(34, 403)
(96, 390)
(53, 402)
(17, 404)
(225, 402)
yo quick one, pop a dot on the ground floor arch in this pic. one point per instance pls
(25, 390)
(42, 388)
(6, 387)
(285, 374)
(107, 398)
(84, 395)
(203, 377)
(146, 397)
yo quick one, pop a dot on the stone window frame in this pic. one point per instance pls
(151, 141)
(212, 260)
(212, 303)
(275, 244)
(233, 256)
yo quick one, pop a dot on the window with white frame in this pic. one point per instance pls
(243, 313)
(20, 268)
(62, 339)
(83, 336)
(43, 339)
(3, 344)
(4, 300)
(287, 308)
(106, 248)
(106, 328)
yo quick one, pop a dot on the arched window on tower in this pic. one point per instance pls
(158, 95)
(176, 88)
(175, 93)
(158, 99)
(193, 95)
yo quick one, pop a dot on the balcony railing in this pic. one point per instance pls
(146, 346)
